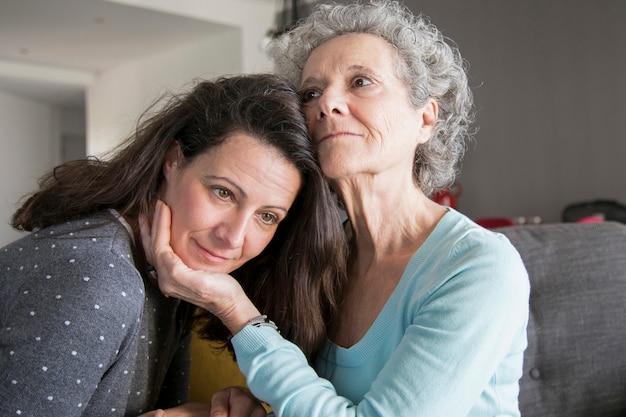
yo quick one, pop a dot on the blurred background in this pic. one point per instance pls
(549, 79)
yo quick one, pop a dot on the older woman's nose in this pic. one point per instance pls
(332, 102)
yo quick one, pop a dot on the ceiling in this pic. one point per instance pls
(51, 49)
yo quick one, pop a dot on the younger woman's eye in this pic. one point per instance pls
(268, 218)
(223, 193)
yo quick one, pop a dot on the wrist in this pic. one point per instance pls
(236, 322)
(262, 321)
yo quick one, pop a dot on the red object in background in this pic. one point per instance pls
(448, 196)
(596, 218)
(495, 222)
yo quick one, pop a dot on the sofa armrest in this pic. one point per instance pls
(575, 363)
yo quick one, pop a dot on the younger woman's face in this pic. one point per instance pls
(227, 203)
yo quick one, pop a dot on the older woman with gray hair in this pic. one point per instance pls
(432, 318)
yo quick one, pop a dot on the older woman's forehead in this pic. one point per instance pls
(357, 49)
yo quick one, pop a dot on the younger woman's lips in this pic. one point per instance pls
(209, 255)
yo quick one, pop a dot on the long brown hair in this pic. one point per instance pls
(297, 279)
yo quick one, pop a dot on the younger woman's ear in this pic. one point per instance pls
(173, 158)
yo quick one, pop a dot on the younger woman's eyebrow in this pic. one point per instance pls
(242, 192)
(225, 179)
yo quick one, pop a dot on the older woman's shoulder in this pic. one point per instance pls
(462, 238)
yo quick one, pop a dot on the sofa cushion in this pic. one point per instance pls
(575, 363)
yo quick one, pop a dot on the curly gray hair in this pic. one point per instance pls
(430, 65)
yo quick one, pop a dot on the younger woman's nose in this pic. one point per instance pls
(232, 231)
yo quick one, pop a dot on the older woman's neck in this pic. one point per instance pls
(388, 221)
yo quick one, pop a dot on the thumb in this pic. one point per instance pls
(219, 404)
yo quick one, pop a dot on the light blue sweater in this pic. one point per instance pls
(449, 341)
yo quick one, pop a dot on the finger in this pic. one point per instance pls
(145, 229)
(163, 257)
(246, 407)
(236, 402)
(259, 412)
(161, 228)
(219, 404)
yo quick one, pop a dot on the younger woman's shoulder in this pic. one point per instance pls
(94, 253)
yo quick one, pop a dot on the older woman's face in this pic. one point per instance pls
(358, 110)
(227, 203)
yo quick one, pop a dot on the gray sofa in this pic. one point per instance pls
(575, 363)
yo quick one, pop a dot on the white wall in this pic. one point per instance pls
(252, 18)
(29, 132)
(118, 96)
(73, 134)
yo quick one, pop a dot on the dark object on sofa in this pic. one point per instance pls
(609, 209)
(575, 363)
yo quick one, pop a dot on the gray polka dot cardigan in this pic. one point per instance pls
(82, 333)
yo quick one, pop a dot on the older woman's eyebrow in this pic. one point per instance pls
(352, 69)
(308, 81)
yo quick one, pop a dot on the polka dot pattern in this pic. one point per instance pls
(81, 329)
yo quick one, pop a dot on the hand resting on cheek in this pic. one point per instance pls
(216, 292)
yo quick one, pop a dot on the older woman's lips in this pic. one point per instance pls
(334, 135)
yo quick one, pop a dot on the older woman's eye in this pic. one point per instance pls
(361, 82)
(268, 218)
(308, 95)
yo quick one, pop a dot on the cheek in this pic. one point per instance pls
(256, 242)
(309, 116)
(189, 214)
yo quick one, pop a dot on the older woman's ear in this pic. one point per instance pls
(428, 114)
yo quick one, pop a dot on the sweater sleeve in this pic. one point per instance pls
(69, 333)
(459, 333)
